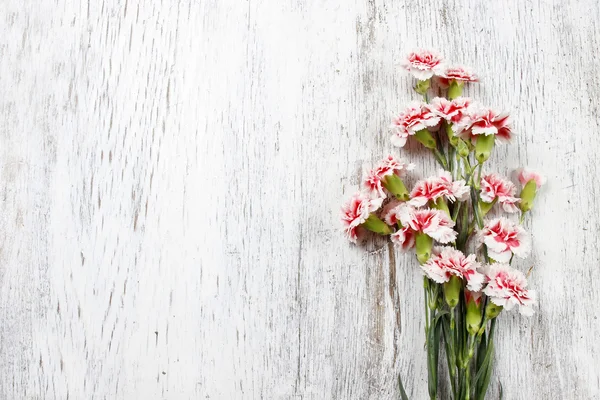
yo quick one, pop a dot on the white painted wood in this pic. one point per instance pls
(171, 177)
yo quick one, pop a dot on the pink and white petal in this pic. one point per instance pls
(418, 201)
(475, 281)
(484, 130)
(501, 256)
(442, 234)
(398, 140)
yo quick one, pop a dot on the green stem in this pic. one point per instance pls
(440, 158)
(452, 346)
(468, 383)
(456, 210)
(426, 302)
(478, 217)
(451, 161)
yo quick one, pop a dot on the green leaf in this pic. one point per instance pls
(482, 380)
(481, 351)
(433, 352)
(450, 354)
(403, 395)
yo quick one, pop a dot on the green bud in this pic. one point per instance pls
(473, 316)
(483, 147)
(374, 224)
(395, 186)
(455, 89)
(451, 137)
(423, 244)
(528, 195)
(425, 138)
(492, 310)
(422, 86)
(452, 291)
(440, 204)
(463, 148)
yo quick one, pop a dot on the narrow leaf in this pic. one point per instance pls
(403, 395)
(487, 370)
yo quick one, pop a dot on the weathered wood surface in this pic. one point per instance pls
(171, 177)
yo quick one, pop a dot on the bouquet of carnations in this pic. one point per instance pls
(453, 222)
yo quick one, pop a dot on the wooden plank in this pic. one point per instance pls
(171, 177)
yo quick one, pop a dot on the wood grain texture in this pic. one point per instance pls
(171, 175)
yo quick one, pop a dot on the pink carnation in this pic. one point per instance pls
(526, 175)
(404, 238)
(416, 117)
(423, 64)
(452, 111)
(448, 261)
(457, 73)
(390, 212)
(484, 121)
(388, 166)
(494, 187)
(504, 238)
(433, 188)
(507, 287)
(356, 211)
(434, 223)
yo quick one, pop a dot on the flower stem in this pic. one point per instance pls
(426, 302)
(440, 158)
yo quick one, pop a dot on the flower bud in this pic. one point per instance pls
(395, 186)
(423, 244)
(374, 224)
(451, 136)
(492, 310)
(463, 148)
(455, 89)
(528, 195)
(452, 291)
(473, 318)
(425, 138)
(483, 147)
(422, 86)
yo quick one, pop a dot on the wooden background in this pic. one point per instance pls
(171, 176)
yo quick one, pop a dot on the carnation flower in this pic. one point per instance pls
(404, 238)
(390, 212)
(507, 287)
(457, 73)
(423, 64)
(356, 211)
(416, 117)
(433, 188)
(434, 223)
(452, 111)
(431, 223)
(448, 261)
(376, 178)
(494, 187)
(484, 121)
(526, 175)
(504, 238)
